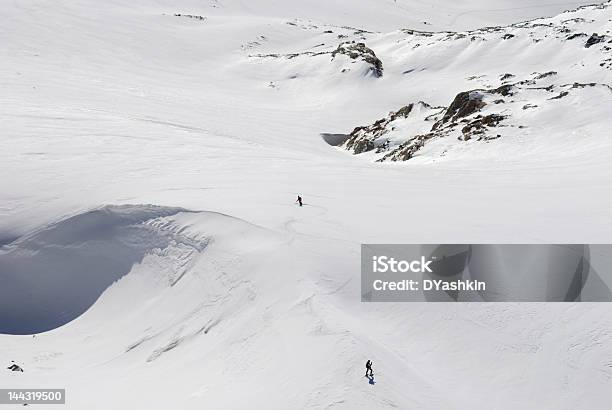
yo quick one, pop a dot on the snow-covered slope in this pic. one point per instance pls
(224, 293)
(228, 315)
(373, 15)
(517, 80)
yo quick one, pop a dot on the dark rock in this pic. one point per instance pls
(544, 75)
(576, 35)
(367, 138)
(361, 145)
(464, 104)
(505, 90)
(408, 149)
(359, 50)
(583, 85)
(404, 111)
(191, 16)
(561, 95)
(594, 39)
(480, 124)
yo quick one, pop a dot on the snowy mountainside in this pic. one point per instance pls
(382, 15)
(226, 294)
(228, 322)
(520, 76)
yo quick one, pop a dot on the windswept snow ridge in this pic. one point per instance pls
(56, 273)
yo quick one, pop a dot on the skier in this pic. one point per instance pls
(14, 367)
(299, 200)
(369, 369)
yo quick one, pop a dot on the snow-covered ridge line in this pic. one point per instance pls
(351, 50)
(396, 135)
(511, 103)
(521, 24)
(67, 265)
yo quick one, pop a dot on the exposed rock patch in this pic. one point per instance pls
(367, 138)
(359, 51)
(594, 39)
(480, 125)
(191, 16)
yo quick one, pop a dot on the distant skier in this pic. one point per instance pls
(14, 367)
(369, 369)
(299, 200)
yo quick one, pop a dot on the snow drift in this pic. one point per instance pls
(56, 273)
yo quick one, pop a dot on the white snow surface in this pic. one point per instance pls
(147, 225)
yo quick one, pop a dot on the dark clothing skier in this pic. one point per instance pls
(369, 369)
(14, 367)
(299, 200)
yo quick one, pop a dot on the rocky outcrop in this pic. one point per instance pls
(594, 39)
(359, 51)
(462, 117)
(375, 136)
(351, 49)
(575, 36)
(408, 149)
(479, 125)
(191, 16)
(362, 139)
(475, 115)
(464, 104)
